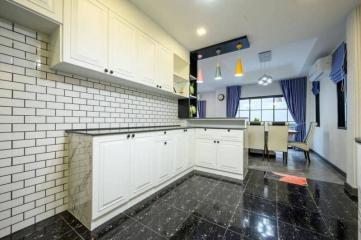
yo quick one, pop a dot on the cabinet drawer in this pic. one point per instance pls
(220, 134)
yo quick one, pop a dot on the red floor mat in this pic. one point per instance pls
(289, 178)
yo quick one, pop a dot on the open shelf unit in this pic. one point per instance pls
(184, 105)
(181, 77)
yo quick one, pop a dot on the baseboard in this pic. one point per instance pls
(351, 191)
(329, 163)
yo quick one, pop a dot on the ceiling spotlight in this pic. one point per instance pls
(201, 31)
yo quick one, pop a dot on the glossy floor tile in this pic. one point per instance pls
(207, 207)
(317, 170)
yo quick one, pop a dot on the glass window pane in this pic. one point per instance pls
(255, 104)
(280, 103)
(267, 103)
(255, 114)
(243, 114)
(267, 115)
(281, 115)
(244, 104)
(290, 118)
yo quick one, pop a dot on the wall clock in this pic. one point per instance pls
(220, 97)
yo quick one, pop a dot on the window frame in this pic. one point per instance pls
(317, 110)
(261, 109)
(341, 105)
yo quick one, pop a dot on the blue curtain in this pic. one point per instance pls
(316, 87)
(202, 105)
(294, 92)
(233, 95)
(338, 66)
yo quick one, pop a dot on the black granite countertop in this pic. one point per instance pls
(358, 139)
(113, 131)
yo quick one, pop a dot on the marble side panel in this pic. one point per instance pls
(80, 187)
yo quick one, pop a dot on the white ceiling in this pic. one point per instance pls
(297, 32)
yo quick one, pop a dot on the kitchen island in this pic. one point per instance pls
(111, 170)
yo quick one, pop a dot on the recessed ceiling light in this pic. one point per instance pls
(201, 31)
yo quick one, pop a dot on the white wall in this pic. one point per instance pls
(336, 145)
(214, 107)
(328, 141)
(255, 90)
(217, 108)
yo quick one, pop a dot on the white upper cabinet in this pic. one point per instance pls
(142, 163)
(146, 59)
(122, 47)
(165, 68)
(86, 34)
(111, 173)
(52, 9)
(101, 42)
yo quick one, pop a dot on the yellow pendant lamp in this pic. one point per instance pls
(239, 66)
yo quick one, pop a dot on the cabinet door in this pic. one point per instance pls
(181, 152)
(146, 59)
(206, 153)
(165, 68)
(122, 47)
(230, 156)
(166, 158)
(86, 34)
(190, 148)
(142, 163)
(111, 180)
(52, 9)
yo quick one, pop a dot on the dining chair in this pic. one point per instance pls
(278, 140)
(256, 137)
(306, 143)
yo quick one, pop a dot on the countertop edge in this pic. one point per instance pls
(358, 139)
(143, 130)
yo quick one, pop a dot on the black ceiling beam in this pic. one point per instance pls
(225, 47)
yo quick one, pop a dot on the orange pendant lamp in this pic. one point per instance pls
(239, 66)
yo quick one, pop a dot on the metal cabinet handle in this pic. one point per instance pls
(128, 136)
(228, 130)
(111, 72)
(214, 141)
(165, 132)
(106, 70)
(133, 135)
(217, 141)
(165, 143)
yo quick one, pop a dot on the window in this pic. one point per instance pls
(341, 105)
(268, 109)
(317, 108)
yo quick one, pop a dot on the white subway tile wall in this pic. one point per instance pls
(36, 105)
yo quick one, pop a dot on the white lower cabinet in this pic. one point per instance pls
(206, 153)
(221, 150)
(111, 175)
(230, 156)
(142, 163)
(182, 151)
(165, 158)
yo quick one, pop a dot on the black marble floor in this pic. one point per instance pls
(203, 207)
